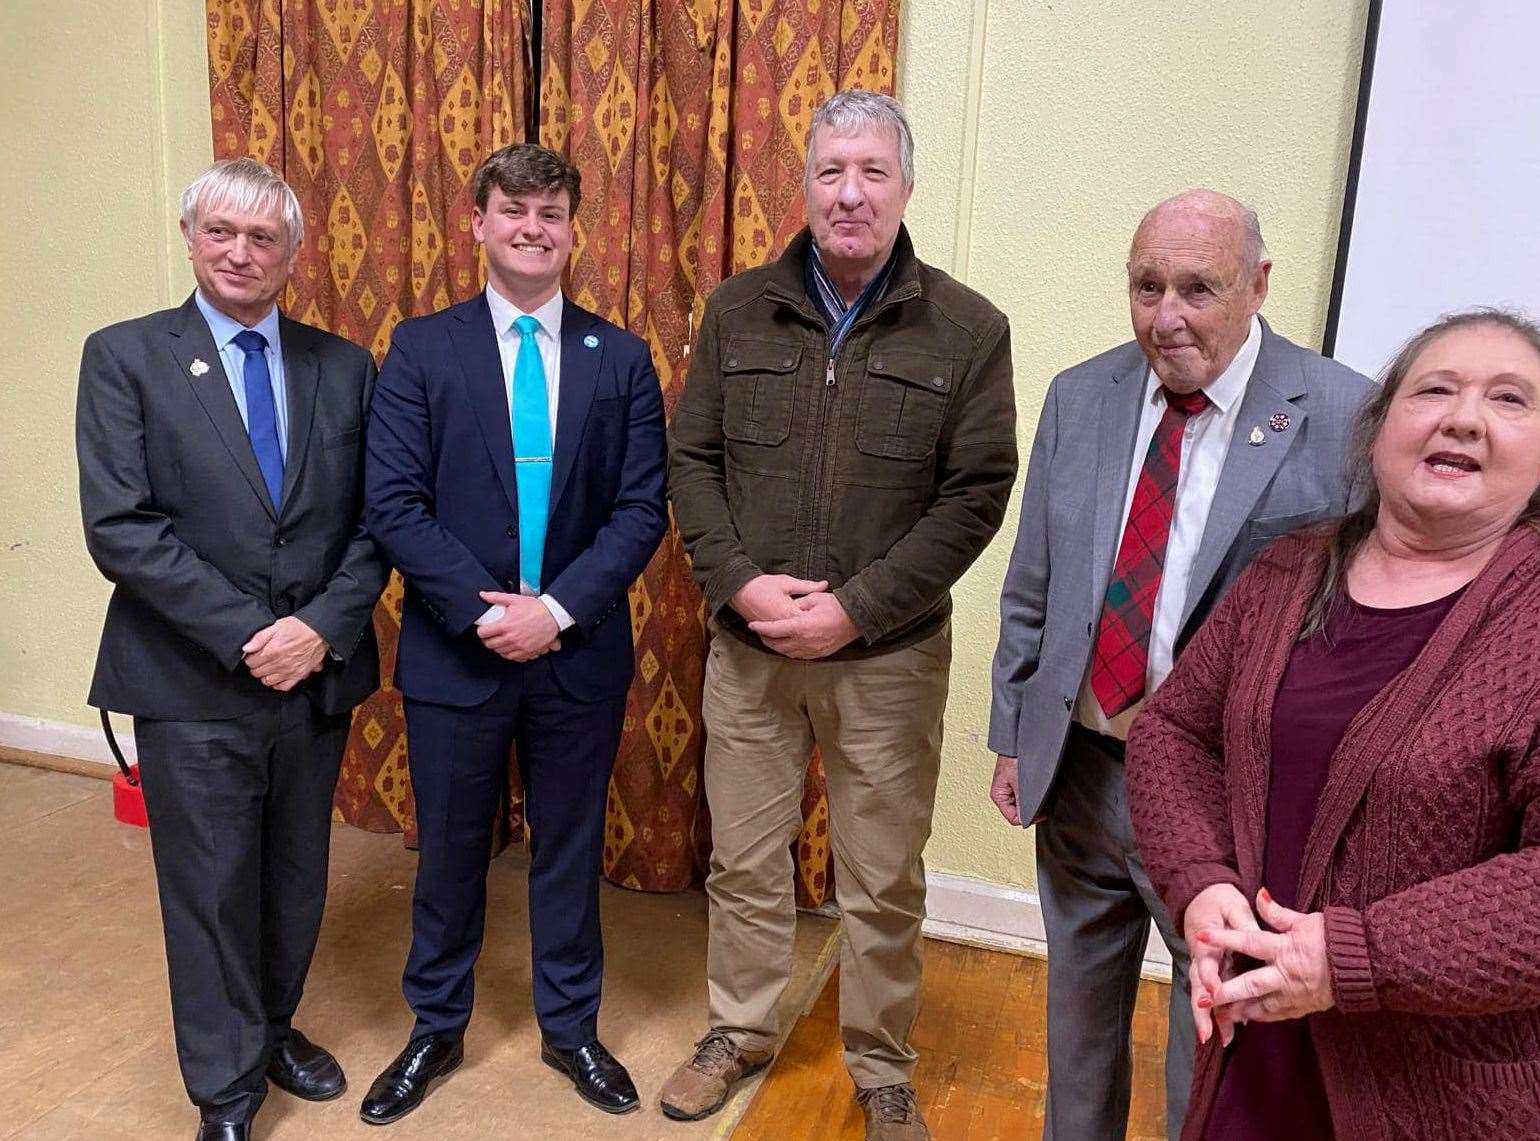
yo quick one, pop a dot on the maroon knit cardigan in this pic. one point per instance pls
(1424, 854)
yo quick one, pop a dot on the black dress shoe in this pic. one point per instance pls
(600, 1079)
(302, 1068)
(224, 1131)
(403, 1085)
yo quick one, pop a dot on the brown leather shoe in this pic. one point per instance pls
(699, 1087)
(891, 1114)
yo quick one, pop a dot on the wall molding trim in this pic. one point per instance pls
(1005, 918)
(60, 739)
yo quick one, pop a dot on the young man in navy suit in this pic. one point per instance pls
(515, 477)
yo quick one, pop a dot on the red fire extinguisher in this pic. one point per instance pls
(127, 793)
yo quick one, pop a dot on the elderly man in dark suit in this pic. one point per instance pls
(515, 478)
(1159, 469)
(221, 484)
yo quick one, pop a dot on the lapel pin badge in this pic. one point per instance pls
(198, 367)
(1256, 440)
(1280, 422)
(590, 342)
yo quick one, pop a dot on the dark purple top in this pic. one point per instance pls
(1271, 1089)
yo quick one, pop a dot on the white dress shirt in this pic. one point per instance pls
(1205, 444)
(548, 341)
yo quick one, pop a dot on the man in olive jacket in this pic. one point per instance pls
(843, 450)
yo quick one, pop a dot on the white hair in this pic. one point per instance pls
(245, 186)
(848, 112)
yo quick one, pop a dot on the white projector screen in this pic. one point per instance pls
(1442, 210)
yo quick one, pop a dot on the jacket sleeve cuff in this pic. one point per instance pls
(857, 606)
(1347, 955)
(727, 580)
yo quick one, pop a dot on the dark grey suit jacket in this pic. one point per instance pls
(178, 518)
(1067, 540)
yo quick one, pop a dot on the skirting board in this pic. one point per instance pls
(82, 742)
(982, 914)
(961, 909)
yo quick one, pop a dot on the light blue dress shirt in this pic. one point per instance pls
(225, 329)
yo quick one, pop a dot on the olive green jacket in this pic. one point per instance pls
(884, 470)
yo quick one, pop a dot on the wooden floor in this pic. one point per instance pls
(980, 1037)
(85, 1025)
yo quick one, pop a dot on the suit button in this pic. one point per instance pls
(1069, 703)
(786, 362)
(280, 542)
(877, 364)
(512, 531)
(732, 362)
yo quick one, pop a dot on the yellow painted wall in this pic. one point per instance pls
(106, 116)
(1045, 129)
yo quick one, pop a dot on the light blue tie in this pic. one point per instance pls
(531, 453)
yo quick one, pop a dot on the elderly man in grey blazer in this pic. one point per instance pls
(1159, 469)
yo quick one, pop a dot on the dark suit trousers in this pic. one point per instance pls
(240, 824)
(459, 761)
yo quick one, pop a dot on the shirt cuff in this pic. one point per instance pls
(563, 619)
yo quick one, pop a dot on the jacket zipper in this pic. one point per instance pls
(821, 432)
(820, 458)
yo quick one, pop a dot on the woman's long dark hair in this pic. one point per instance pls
(1345, 535)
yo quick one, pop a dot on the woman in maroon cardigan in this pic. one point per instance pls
(1353, 741)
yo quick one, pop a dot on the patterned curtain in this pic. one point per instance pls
(376, 112)
(687, 120)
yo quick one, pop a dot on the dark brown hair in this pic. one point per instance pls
(524, 168)
(1344, 535)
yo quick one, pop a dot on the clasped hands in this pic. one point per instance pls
(526, 630)
(795, 616)
(284, 654)
(1293, 980)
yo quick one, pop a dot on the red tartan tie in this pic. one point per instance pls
(1123, 638)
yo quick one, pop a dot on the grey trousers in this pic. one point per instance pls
(1097, 905)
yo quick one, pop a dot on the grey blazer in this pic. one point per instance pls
(1076, 483)
(178, 517)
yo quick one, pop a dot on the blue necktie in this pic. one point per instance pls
(261, 415)
(531, 453)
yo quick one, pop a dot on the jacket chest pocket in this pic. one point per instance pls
(759, 380)
(903, 402)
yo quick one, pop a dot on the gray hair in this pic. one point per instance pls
(853, 110)
(245, 186)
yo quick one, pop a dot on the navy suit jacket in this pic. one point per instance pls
(441, 501)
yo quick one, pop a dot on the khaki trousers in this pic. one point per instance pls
(878, 724)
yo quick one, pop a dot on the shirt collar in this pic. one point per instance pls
(1229, 386)
(827, 296)
(225, 328)
(505, 313)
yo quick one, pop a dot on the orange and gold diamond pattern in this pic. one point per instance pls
(687, 120)
(376, 113)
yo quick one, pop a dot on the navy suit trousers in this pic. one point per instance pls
(459, 759)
